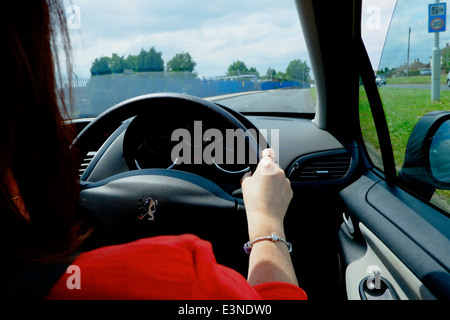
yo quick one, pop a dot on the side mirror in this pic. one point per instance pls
(440, 156)
(427, 157)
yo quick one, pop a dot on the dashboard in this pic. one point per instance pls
(199, 145)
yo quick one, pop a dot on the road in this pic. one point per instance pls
(285, 100)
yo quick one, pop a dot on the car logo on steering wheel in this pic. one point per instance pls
(149, 208)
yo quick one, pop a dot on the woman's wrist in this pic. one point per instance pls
(272, 238)
(257, 229)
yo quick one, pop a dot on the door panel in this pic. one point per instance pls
(378, 256)
(406, 238)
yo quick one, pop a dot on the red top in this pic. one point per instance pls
(165, 267)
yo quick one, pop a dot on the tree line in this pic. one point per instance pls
(152, 61)
(145, 61)
(297, 70)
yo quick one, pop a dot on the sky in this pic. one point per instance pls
(375, 22)
(407, 14)
(262, 33)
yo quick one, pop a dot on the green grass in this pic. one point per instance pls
(403, 108)
(414, 80)
(313, 94)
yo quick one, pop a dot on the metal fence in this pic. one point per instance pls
(280, 85)
(91, 96)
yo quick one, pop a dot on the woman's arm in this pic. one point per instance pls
(267, 194)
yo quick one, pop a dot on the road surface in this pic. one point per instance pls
(284, 100)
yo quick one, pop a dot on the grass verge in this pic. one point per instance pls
(415, 80)
(403, 108)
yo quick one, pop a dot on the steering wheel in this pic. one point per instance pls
(149, 202)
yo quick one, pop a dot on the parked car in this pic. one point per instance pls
(425, 72)
(380, 81)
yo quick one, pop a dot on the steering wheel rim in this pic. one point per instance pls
(112, 117)
(118, 203)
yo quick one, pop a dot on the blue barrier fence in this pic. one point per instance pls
(279, 85)
(92, 96)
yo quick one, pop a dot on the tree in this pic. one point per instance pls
(140, 66)
(281, 76)
(145, 61)
(181, 62)
(116, 63)
(237, 68)
(253, 70)
(271, 73)
(150, 60)
(154, 60)
(130, 62)
(100, 66)
(298, 70)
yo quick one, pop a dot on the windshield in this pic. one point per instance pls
(221, 50)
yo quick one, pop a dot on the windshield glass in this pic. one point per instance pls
(223, 50)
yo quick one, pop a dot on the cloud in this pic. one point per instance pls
(392, 50)
(375, 21)
(263, 34)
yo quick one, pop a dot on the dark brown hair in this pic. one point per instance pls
(34, 143)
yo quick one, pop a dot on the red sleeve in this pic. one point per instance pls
(280, 291)
(166, 267)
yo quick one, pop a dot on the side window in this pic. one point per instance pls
(368, 130)
(375, 21)
(441, 199)
(402, 114)
(404, 83)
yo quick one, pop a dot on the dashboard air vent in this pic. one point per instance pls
(321, 168)
(86, 161)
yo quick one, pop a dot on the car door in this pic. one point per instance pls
(390, 236)
(395, 239)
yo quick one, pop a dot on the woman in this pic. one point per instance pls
(39, 192)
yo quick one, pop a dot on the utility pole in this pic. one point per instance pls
(436, 69)
(437, 23)
(446, 60)
(409, 46)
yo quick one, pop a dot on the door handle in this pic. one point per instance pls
(348, 224)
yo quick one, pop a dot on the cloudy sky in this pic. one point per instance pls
(408, 14)
(262, 33)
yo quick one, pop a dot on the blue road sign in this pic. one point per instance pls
(437, 13)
